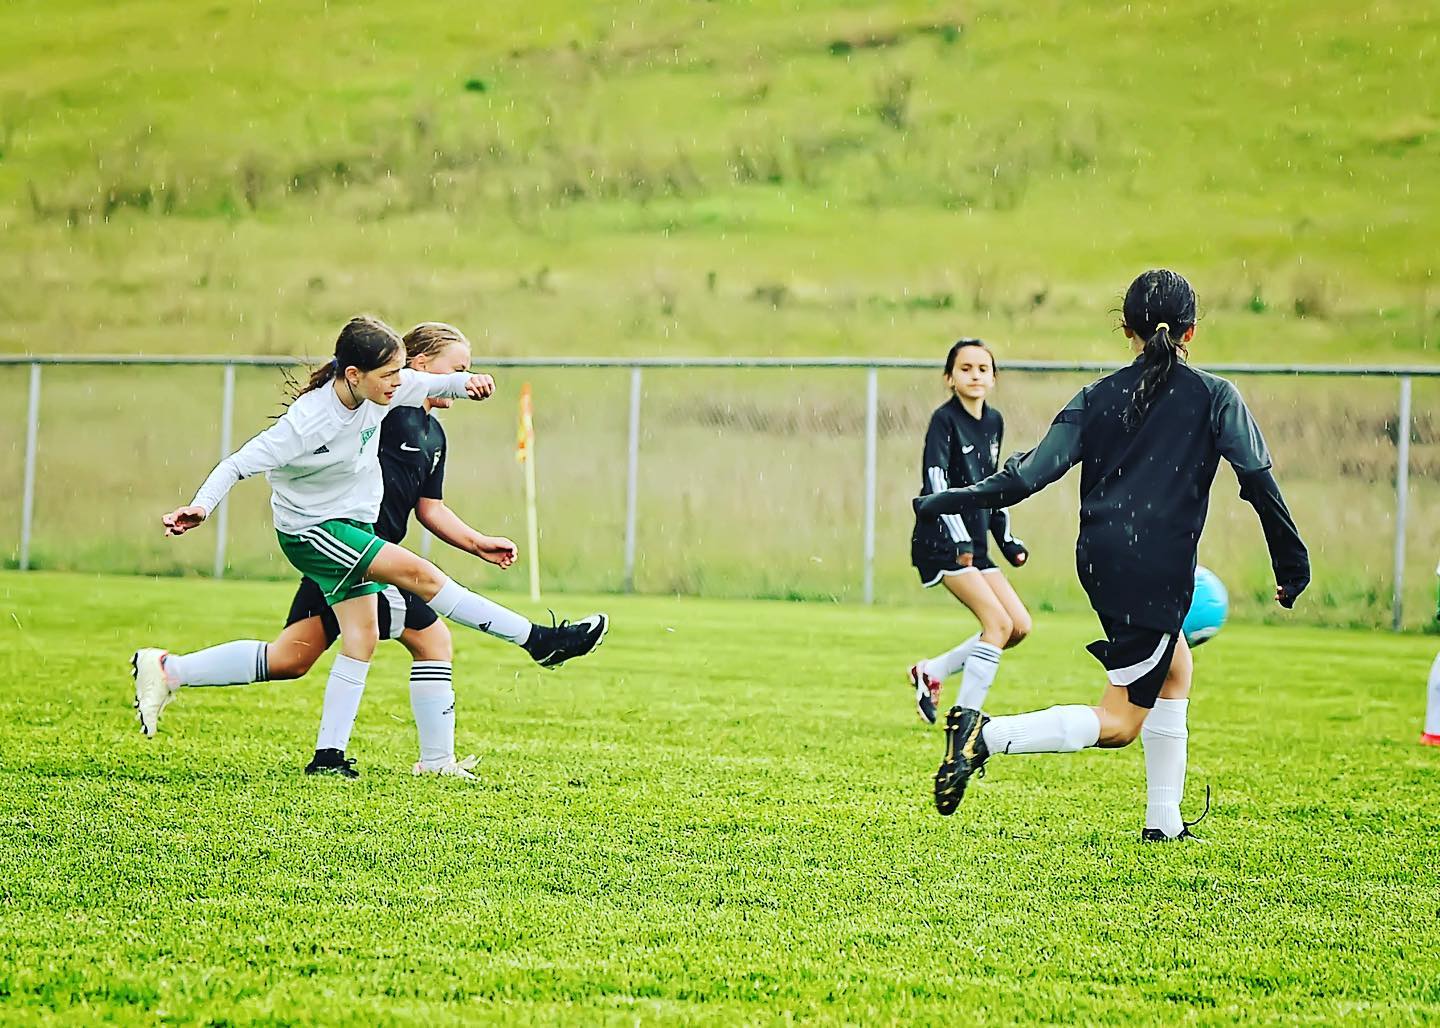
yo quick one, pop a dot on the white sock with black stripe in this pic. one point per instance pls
(459, 604)
(980, 667)
(1165, 738)
(432, 699)
(951, 661)
(232, 663)
(342, 702)
(1062, 729)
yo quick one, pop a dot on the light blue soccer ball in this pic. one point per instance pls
(1208, 607)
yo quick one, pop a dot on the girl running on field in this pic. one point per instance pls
(321, 458)
(1149, 438)
(962, 447)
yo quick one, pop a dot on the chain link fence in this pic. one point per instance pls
(780, 479)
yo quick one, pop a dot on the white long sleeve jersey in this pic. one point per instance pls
(322, 459)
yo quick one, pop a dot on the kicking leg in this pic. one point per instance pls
(549, 646)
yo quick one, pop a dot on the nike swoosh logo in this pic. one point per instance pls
(963, 449)
(409, 449)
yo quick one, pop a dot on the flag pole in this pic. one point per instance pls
(525, 454)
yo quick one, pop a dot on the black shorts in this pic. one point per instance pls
(932, 570)
(1136, 658)
(398, 610)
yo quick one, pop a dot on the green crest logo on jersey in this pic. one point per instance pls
(365, 437)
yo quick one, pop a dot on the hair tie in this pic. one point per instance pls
(1164, 324)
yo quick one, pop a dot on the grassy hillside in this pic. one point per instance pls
(717, 178)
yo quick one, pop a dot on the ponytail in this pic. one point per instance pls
(1159, 356)
(366, 343)
(319, 377)
(1156, 301)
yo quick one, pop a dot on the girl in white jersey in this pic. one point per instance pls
(321, 459)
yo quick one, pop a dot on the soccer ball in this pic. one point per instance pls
(1208, 607)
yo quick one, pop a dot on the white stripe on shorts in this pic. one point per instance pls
(345, 553)
(1135, 672)
(945, 574)
(326, 547)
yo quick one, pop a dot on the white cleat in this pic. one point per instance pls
(450, 768)
(152, 689)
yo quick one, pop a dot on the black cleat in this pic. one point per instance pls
(965, 754)
(1156, 835)
(332, 762)
(553, 645)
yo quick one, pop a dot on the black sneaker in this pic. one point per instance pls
(965, 754)
(332, 762)
(1156, 835)
(553, 645)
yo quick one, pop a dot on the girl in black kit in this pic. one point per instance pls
(962, 446)
(1149, 438)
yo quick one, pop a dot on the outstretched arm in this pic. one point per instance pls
(1023, 474)
(418, 386)
(275, 447)
(450, 528)
(1239, 441)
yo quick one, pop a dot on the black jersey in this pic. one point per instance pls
(960, 450)
(1144, 493)
(412, 463)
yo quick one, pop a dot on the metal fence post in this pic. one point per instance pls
(872, 405)
(1402, 499)
(32, 433)
(632, 479)
(227, 418)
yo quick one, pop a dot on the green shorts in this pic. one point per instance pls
(335, 555)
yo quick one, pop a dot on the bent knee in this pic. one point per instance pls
(433, 643)
(1117, 737)
(1018, 631)
(998, 624)
(285, 664)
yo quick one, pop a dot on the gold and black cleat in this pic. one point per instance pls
(965, 754)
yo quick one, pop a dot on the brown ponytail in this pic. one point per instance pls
(365, 342)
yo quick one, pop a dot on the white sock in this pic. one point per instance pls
(980, 668)
(950, 661)
(1053, 730)
(342, 702)
(1164, 737)
(1432, 705)
(432, 698)
(459, 604)
(232, 663)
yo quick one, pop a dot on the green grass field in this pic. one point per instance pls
(723, 817)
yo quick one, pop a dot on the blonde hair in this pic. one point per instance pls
(429, 338)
